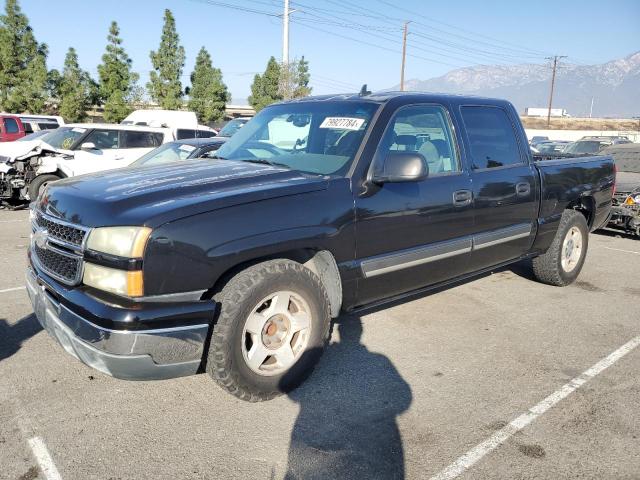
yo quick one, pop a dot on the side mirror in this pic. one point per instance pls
(88, 146)
(403, 167)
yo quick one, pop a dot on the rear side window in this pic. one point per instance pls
(205, 133)
(48, 126)
(492, 138)
(133, 139)
(11, 126)
(27, 128)
(183, 133)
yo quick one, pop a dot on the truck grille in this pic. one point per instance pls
(61, 231)
(57, 247)
(61, 266)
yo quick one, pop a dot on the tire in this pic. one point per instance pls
(246, 302)
(550, 268)
(38, 183)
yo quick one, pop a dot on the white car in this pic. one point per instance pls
(74, 149)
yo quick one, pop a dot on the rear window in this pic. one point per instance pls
(491, 137)
(47, 126)
(133, 139)
(11, 126)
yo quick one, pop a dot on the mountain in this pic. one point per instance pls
(614, 86)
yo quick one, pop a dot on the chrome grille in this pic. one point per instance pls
(61, 266)
(57, 247)
(61, 231)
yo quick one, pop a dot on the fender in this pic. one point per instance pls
(53, 165)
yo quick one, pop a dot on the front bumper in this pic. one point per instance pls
(132, 354)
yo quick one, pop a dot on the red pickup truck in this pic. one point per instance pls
(11, 128)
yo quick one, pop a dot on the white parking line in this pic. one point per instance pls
(14, 221)
(620, 250)
(43, 458)
(13, 289)
(476, 454)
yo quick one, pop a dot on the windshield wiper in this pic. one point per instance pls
(264, 161)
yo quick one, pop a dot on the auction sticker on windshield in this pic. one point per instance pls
(342, 123)
(187, 148)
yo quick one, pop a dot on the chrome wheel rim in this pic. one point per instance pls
(571, 249)
(276, 333)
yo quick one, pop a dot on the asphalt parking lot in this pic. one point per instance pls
(402, 392)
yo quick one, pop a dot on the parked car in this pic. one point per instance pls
(612, 139)
(552, 147)
(11, 128)
(181, 150)
(233, 126)
(236, 266)
(587, 147)
(535, 140)
(36, 123)
(625, 214)
(72, 150)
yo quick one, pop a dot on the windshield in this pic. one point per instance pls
(585, 147)
(167, 153)
(312, 137)
(35, 135)
(231, 127)
(64, 137)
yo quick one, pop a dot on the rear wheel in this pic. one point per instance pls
(273, 324)
(563, 261)
(38, 184)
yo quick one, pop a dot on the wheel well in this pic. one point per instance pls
(320, 262)
(587, 206)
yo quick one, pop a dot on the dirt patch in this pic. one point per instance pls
(533, 451)
(31, 474)
(587, 287)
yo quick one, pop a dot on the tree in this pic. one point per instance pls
(23, 70)
(265, 88)
(164, 84)
(208, 94)
(77, 90)
(294, 79)
(117, 81)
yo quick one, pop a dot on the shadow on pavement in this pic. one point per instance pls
(347, 426)
(12, 336)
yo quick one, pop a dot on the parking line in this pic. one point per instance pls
(620, 250)
(43, 458)
(476, 454)
(14, 221)
(12, 289)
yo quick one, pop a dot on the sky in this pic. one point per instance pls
(347, 42)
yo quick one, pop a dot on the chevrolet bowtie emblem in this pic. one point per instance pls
(40, 238)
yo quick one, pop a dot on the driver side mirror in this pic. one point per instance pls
(88, 146)
(402, 167)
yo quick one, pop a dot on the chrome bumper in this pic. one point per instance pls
(132, 355)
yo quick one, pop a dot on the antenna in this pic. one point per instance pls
(363, 91)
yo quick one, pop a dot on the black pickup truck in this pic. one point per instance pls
(235, 266)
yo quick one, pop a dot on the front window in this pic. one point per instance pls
(232, 127)
(167, 153)
(312, 137)
(65, 138)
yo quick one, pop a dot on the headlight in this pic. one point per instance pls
(126, 242)
(120, 282)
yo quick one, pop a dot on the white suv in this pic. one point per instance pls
(71, 150)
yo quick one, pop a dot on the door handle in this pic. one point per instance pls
(462, 198)
(523, 189)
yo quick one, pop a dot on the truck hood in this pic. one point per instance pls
(155, 195)
(627, 182)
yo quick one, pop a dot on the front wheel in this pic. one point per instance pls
(37, 185)
(563, 261)
(273, 324)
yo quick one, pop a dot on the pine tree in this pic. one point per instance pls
(23, 71)
(208, 94)
(117, 81)
(164, 84)
(302, 88)
(265, 88)
(77, 90)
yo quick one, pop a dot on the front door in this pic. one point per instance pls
(505, 186)
(413, 234)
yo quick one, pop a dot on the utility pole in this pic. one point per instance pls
(553, 82)
(404, 55)
(591, 109)
(285, 33)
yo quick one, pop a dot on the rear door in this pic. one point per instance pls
(414, 234)
(504, 183)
